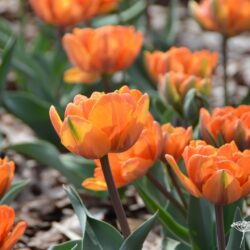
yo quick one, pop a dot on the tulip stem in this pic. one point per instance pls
(220, 227)
(114, 196)
(176, 185)
(105, 82)
(167, 194)
(225, 61)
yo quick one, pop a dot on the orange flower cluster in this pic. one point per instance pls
(225, 125)
(9, 238)
(179, 70)
(133, 163)
(70, 12)
(175, 139)
(7, 169)
(221, 175)
(229, 17)
(102, 124)
(104, 50)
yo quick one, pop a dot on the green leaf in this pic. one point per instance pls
(33, 111)
(70, 166)
(235, 236)
(14, 190)
(126, 16)
(201, 224)
(165, 218)
(6, 62)
(70, 245)
(137, 238)
(228, 212)
(99, 235)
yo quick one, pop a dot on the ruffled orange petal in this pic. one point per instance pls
(81, 137)
(186, 182)
(55, 119)
(76, 75)
(16, 234)
(222, 188)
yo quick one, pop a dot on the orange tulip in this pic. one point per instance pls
(104, 50)
(7, 169)
(9, 238)
(221, 175)
(175, 139)
(225, 125)
(104, 123)
(200, 64)
(65, 12)
(133, 163)
(173, 87)
(178, 70)
(229, 17)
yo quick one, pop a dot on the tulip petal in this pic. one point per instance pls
(222, 188)
(81, 137)
(135, 168)
(94, 184)
(186, 182)
(76, 75)
(17, 233)
(55, 119)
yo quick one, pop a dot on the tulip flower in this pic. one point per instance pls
(221, 175)
(229, 17)
(133, 163)
(199, 64)
(104, 50)
(7, 169)
(65, 12)
(175, 139)
(9, 237)
(102, 124)
(225, 125)
(178, 70)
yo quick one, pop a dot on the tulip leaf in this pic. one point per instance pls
(14, 190)
(137, 238)
(179, 231)
(235, 236)
(201, 224)
(33, 111)
(6, 62)
(97, 235)
(70, 245)
(228, 212)
(74, 168)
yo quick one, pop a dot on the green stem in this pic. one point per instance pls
(220, 227)
(167, 194)
(106, 83)
(176, 185)
(114, 196)
(225, 61)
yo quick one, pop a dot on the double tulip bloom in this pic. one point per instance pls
(179, 70)
(225, 125)
(9, 236)
(229, 17)
(175, 139)
(133, 163)
(7, 169)
(69, 12)
(102, 124)
(101, 51)
(221, 175)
